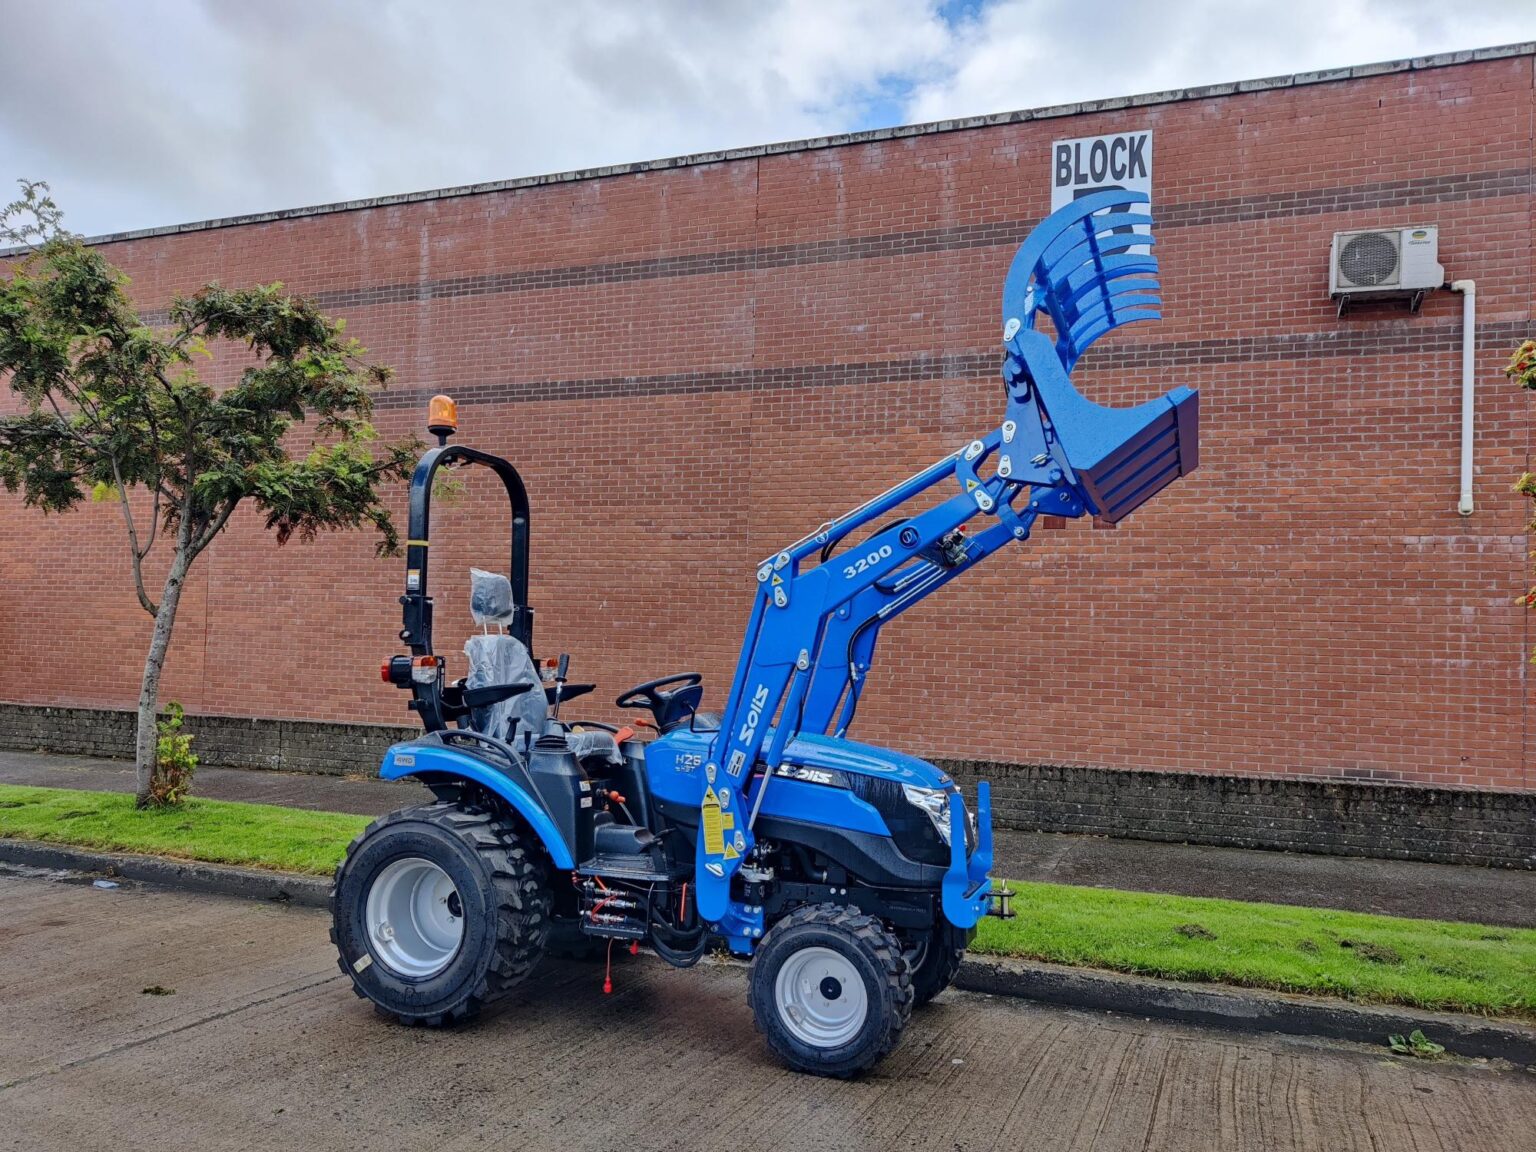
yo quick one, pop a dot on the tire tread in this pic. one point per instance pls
(882, 945)
(523, 901)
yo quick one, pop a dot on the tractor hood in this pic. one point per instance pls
(815, 751)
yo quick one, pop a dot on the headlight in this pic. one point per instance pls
(933, 801)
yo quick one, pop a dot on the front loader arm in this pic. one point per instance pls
(811, 636)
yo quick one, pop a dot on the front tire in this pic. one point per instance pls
(830, 991)
(438, 911)
(939, 961)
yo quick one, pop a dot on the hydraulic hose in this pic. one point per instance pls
(683, 958)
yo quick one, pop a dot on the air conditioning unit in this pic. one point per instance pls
(1385, 264)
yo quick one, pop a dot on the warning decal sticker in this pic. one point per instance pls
(714, 827)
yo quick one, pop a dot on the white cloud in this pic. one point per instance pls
(163, 111)
(1032, 53)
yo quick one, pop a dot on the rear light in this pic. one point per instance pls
(403, 671)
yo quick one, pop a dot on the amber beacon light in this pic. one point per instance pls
(442, 417)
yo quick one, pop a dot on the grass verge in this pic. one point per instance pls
(1381, 959)
(216, 831)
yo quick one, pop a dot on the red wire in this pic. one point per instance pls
(608, 975)
(592, 915)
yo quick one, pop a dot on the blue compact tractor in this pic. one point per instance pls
(852, 876)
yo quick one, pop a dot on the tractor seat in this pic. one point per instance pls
(495, 658)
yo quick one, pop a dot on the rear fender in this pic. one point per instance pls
(430, 762)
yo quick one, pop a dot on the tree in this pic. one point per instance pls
(1522, 370)
(115, 409)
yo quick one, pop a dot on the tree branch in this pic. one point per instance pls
(154, 521)
(133, 541)
(64, 425)
(213, 527)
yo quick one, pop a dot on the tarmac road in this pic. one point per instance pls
(262, 1045)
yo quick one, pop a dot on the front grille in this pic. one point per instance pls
(915, 836)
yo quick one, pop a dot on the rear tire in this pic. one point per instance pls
(566, 941)
(438, 911)
(830, 991)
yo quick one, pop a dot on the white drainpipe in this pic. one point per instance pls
(1468, 290)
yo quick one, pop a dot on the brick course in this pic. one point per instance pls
(695, 364)
(1442, 825)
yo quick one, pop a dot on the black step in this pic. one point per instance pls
(642, 869)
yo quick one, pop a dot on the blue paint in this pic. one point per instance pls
(821, 602)
(810, 639)
(425, 760)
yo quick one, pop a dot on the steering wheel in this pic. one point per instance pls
(650, 694)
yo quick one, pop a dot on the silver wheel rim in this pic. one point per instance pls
(414, 918)
(820, 997)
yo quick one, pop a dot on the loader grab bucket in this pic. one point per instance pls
(1081, 268)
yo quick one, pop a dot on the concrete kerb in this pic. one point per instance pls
(1232, 1009)
(186, 875)
(1244, 1009)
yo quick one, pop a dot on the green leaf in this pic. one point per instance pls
(109, 404)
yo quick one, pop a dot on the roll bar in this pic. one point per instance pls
(416, 627)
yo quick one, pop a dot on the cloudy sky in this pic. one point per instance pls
(163, 111)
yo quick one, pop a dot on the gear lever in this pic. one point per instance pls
(560, 674)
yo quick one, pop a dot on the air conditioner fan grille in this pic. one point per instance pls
(1369, 259)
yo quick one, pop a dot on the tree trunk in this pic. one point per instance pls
(145, 755)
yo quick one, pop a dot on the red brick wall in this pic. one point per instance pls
(696, 365)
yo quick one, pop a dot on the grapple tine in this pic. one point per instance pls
(1081, 269)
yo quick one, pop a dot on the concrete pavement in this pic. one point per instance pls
(262, 1045)
(1392, 887)
(362, 795)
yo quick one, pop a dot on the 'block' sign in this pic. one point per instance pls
(1093, 163)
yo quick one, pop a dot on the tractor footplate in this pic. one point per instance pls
(627, 869)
